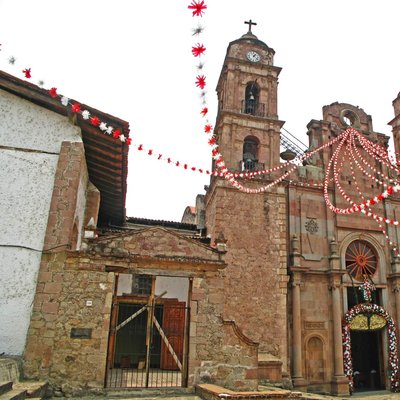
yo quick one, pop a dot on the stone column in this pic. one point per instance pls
(396, 291)
(297, 369)
(340, 384)
(297, 359)
(395, 278)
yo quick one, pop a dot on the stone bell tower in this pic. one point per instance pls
(247, 131)
(247, 127)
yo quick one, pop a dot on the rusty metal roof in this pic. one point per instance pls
(106, 157)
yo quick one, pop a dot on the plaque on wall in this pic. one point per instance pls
(81, 333)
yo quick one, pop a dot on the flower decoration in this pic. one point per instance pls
(27, 73)
(196, 31)
(95, 121)
(208, 128)
(198, 50)
(85, 114)
(198, 8)
(76, 108)
(367, 288)
(116, 134)
(204, 111)
(53, 92)
(368, 308)
(64, 101)
(201, 81)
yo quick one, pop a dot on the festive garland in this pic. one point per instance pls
(367, 308)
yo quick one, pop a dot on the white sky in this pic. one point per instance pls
(132, 59)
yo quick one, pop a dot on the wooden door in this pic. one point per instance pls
(173, 325)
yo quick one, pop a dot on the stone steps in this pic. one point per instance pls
(14, 394)
(5, 387)
(22, 390)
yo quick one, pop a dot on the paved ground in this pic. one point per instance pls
(381, 395)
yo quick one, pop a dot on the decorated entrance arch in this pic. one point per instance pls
(369, 316)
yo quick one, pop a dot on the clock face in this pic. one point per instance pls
(253, 56)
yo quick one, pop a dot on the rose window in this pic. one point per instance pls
(361, 260)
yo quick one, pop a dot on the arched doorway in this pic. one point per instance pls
(362, 329)
(366, 323)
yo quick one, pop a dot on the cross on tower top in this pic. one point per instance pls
(250, 23)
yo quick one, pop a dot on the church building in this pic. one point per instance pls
(267, 288)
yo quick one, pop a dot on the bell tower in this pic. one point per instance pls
(247, 127)
(247, 131)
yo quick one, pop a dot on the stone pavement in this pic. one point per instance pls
(378, 395)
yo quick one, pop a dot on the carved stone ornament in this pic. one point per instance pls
(311, 225)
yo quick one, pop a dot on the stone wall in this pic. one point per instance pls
(75, 293)
(256, 277)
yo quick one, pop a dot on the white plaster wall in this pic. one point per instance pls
(18, 272)
(28, 133)
(26, 125)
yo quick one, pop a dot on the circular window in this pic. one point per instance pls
(349, 119)
(361, 260)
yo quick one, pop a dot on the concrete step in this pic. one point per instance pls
(5, 387)
(33, 389)
(14, 394)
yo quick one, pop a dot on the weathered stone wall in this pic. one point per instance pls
(51, 299)
(61, 304)
(256, 277)
(68, 280)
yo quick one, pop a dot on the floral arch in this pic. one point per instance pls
(382, 316)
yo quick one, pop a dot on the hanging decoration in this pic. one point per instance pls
(371, 309)
(76, 107)
(366, 289)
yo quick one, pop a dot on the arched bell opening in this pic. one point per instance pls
(251, 146)
(251, 104)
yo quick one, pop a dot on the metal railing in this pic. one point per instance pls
(253, 108)
(250, 165)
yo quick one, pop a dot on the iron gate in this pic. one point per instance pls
(150, 345)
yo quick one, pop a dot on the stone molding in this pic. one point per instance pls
(238, 332)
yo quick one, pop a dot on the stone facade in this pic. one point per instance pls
(268, 285)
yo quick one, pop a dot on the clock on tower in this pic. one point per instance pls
(248, 128)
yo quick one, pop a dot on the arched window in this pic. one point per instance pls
(250, 152)
(251, 98)
(361, 260)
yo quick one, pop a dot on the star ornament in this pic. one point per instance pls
(198, 8)
(198, 50)
(201, 81)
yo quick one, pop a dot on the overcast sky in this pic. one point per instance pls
(132, 59)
